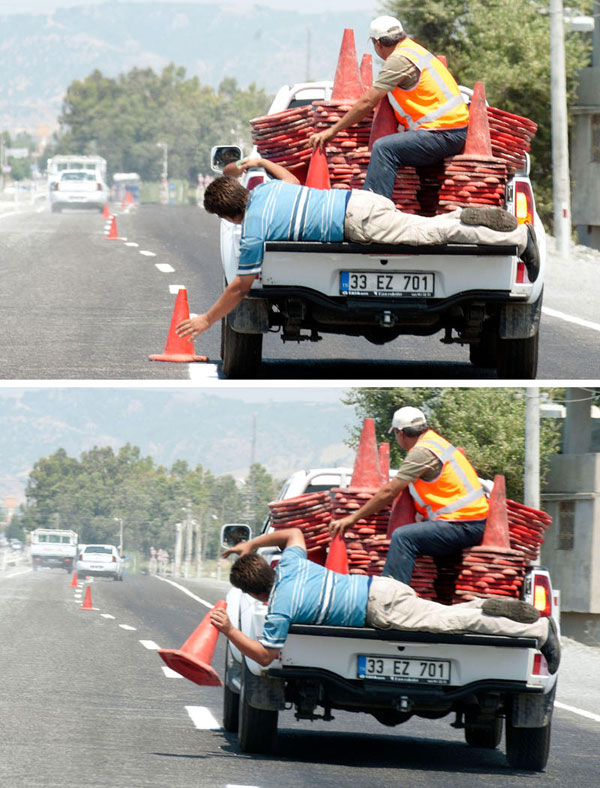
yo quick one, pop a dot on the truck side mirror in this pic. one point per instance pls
(234, 534)
(221, 155)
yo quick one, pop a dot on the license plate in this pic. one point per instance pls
(368, 283)
(417, 671)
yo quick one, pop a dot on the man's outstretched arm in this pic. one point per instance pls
(231, 297)
(248, 646)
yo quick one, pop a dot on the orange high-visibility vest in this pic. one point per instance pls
(456, 494)
(435, 102)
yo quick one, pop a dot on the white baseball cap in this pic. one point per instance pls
(408, 417)
(384, 26)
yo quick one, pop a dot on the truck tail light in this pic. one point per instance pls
(542, 595)
(523, 202)
(254, 181)
(540, 666)
(520, 278)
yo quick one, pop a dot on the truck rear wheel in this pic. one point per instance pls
(487, 737)
(257, 730)
(527, 748)
(518, 358)
(242, 353)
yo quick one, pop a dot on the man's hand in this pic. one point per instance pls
(242, 548)
(339, 526)
(220, 620)
(321, 139)
(192, 327)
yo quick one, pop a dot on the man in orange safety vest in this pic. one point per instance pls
(429, 107)
(451, 504)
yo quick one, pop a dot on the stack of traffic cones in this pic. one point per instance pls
(312, 514)
(475, 177)
(510, 137)
(526, 527)
(493, 568)
(177, 348)
(367, 478)
(192, 660)
(283, 137)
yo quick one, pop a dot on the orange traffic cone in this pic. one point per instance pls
(74, 581)
(366, 471)
(478, 141)
(384, 122)
(129, 198)
(347, 84)
(87, 600)
(178, 348)
(366, 71)
(496, 536)
(384, 462)
(403, 512)
(337, 557)
(192, 660)
(112, 233)
(318, 171)
(106, 212)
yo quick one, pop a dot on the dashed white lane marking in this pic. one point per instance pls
(106, 615)
(165, 268)
(171, 674)
(581, 712)
(202, 718)
(147, 254)
(185, 591)
(126, 626)
(231, 785)
(570, 319)
(150, 645)
(132, 243)
(203, 372)
(174, 289)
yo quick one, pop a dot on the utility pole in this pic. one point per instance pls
(560, 138)
(178, 547)
(188, 542)
(532, 448)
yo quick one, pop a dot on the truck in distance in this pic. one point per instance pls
(53, 547)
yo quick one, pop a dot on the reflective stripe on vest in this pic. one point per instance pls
(435, 102)
(456, 494)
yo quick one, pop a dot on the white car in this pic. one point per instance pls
(78, 189)
(100, 560)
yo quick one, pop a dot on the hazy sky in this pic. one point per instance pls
(307, 6)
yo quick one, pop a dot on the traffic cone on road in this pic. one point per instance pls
(192, 660)
(318, 171)
(347, 84)
(366, 471)
(178, 348)
(113, 235)
(87, 600)
(74, 581)
(106, 212)
(337, 557)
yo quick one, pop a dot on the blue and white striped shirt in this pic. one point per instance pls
(307, 593)
(279, 211)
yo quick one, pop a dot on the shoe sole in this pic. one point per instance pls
(495, 218)
(514, 609)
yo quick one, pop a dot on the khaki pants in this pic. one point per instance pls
(371, 218)
(394, 605)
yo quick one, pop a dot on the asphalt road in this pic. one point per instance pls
(78, 306)
(85, 702)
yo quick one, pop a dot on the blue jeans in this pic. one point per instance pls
(409, 148)
(430, 537)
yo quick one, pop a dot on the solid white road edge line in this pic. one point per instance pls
(202, 718)
(581, 712)
(185, 591)
(170, 673)
(150, 645)
(570, 319)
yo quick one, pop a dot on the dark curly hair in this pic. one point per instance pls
(252, 574)
(226, 196)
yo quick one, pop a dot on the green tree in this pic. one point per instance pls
(488, 423)
(506, 45)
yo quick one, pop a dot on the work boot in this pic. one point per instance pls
(531, 255)
(551, 648)
(487, 216)
(514, 609)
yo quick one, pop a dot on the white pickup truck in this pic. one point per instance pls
(484, 680)
(54, 548)
(475, 295)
